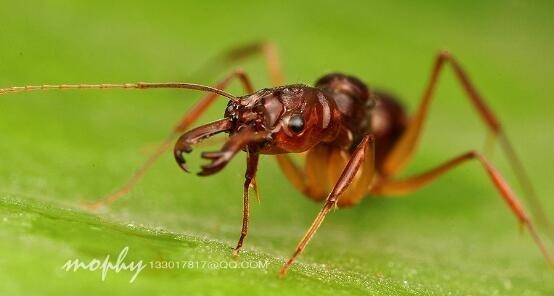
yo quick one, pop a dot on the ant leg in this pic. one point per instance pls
(362, 180)
(271, 56)
(189, 118)
(406, 145)
(397, 187)
(218, 159)
(234, 55)
(251, 167)
(357, 160)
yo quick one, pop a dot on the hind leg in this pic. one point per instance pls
(406, 145)
(390, 187)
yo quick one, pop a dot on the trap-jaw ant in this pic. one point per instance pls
(356, 140)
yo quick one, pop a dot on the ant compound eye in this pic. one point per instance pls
(296, 123)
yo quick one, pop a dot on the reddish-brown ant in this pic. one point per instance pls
(356, 140)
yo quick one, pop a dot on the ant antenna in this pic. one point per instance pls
(138, 85)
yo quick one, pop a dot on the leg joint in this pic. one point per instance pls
(444, 55)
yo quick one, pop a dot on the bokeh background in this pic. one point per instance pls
(61, 148)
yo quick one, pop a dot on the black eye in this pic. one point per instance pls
(296, 123)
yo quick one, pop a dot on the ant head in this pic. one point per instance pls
(284, 119)
(295, 117)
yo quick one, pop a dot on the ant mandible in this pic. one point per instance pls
(356, 140)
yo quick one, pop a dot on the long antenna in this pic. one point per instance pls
(137, 85)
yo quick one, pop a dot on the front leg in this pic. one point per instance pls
(251, 168)
(363, 151)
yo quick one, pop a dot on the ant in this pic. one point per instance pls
(356, 140)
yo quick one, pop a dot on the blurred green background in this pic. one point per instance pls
(59, 148)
